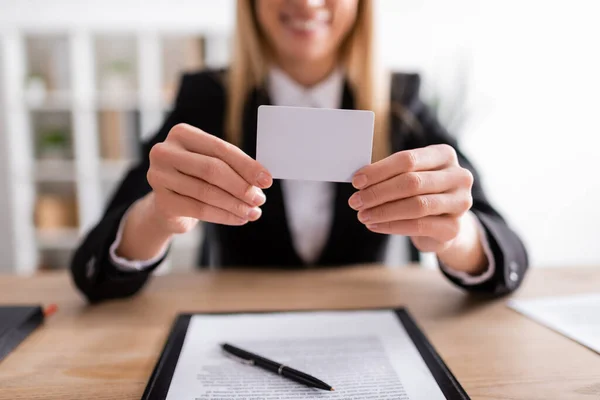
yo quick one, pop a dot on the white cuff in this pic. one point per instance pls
(466, 278)
(124, 264)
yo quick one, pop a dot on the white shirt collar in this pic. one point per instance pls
(284, 91)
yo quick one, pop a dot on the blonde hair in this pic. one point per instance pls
(250, 64)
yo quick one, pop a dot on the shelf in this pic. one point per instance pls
(68, 239)
(63, 101)
(128, 101)
(84, 100)
(125, 101)
(113, 170)
(57, 239)
(54, 101)
(64, 170)
(55, 171)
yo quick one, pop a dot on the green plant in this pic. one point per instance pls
(54, 138)
(119, 67)
(34, 76)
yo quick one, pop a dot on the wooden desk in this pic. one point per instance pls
(108, 351)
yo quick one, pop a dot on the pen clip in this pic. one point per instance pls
(238, 359)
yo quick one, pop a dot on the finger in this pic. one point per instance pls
(439, 228)
(411, 184)
(417, 207)
(208, 194)
(188, 207)
(429, 245)
(198, 141)
(217, 173)
(422, 159)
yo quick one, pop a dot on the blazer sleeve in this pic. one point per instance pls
(91, 268)
(420, 128)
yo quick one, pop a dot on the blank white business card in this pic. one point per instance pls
(314, 144)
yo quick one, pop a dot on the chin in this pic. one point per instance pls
(305, 55)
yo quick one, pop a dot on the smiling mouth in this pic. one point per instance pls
(319, 20)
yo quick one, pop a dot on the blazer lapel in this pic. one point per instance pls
(274, 220)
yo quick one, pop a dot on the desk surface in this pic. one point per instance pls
(108, 351)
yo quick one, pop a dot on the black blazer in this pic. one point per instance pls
(267, 242)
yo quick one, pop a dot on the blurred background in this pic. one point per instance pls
(82, 82)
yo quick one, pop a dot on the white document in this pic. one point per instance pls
(315, 144)
(577, 317)
(362, 354)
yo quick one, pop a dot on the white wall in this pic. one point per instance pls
(535, 89)
(533, 99)
(553, 82)
(117, 14)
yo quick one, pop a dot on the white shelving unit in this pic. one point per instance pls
(81, 99)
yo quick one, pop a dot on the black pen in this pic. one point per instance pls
(283, 370)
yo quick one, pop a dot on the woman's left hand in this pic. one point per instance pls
(425, 194)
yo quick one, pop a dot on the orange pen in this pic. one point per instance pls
(50, 310)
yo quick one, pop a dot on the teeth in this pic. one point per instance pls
(323, 15)
(306, 25)
(319, 18)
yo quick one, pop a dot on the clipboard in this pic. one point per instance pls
(160, 380)
(16, 324)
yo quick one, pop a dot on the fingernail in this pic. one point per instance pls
(372, 226)
(359, 181)
(264, 180)
(363, 216)
(355, 201)
(258, 198)
(254, 213)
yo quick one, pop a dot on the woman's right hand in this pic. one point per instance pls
(196, 176)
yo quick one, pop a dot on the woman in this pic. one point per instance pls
(200, 167)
